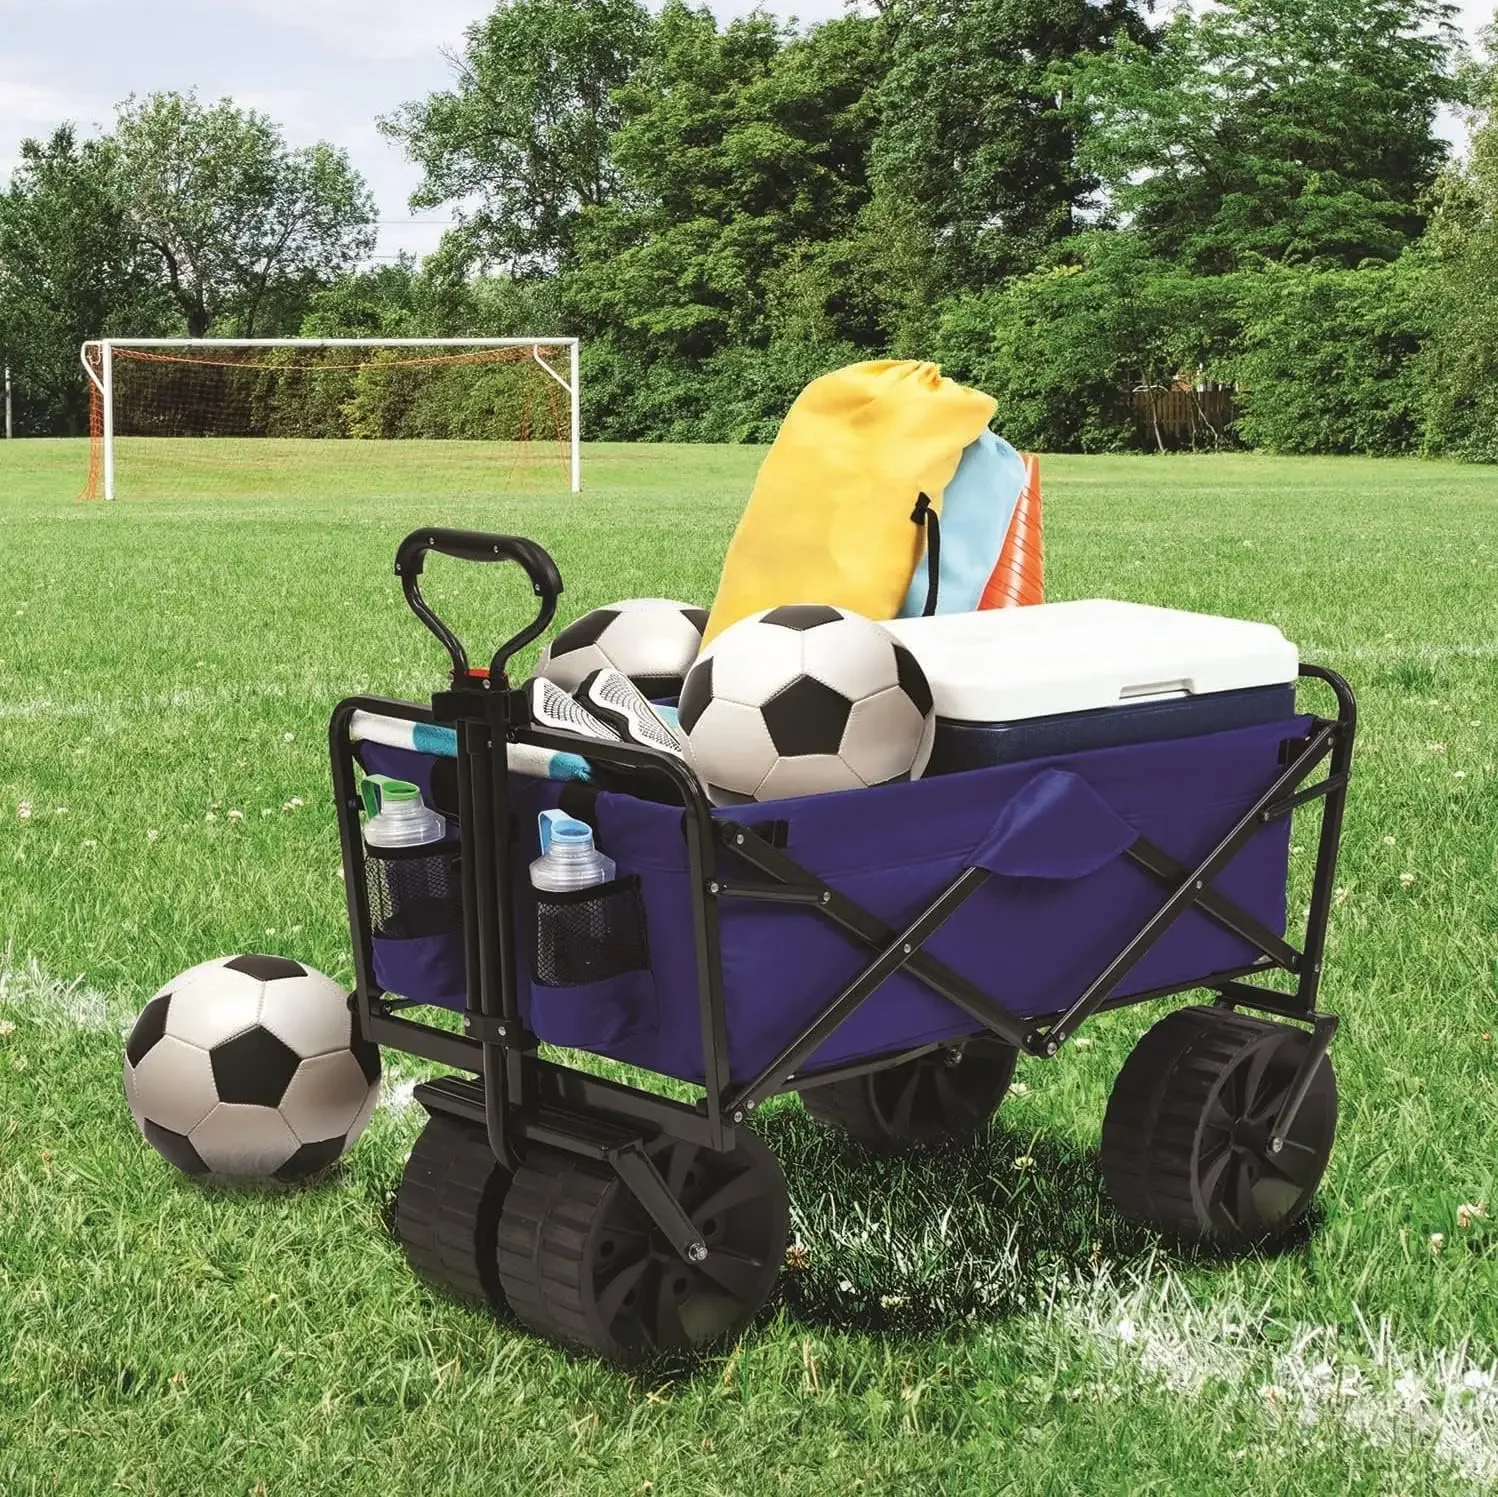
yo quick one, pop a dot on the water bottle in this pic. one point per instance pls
(414, 886)
(568, 860)
(577, 936)
(397, 816)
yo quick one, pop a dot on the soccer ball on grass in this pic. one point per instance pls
(250, 1067)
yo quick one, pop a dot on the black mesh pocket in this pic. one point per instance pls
(590, 935)
(414, 892)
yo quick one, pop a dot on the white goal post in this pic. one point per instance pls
(97, 356)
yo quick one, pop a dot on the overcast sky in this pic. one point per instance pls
(323, 68)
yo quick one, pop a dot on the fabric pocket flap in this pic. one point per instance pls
(1057, 827)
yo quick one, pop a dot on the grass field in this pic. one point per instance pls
(968, 1323)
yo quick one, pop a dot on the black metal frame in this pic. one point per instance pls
(523, 1099)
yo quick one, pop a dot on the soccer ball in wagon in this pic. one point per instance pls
(887, 952)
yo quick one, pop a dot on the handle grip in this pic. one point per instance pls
(476, 545)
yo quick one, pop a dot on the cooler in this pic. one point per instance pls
(1022, 683)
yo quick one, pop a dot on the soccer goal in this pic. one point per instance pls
(471, 415)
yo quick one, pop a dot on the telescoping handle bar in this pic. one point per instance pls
(475, 545)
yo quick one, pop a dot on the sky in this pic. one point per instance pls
(324, 69)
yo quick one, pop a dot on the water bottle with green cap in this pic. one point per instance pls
(396, 816)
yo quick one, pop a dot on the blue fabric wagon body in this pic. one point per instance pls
(1061, 904)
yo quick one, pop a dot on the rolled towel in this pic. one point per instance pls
(442, 743)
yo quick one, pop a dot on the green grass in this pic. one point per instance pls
(963, 1323)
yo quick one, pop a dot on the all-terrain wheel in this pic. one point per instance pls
(944, 1095)
(581, 1262)
(447, 1209)
(1186, 1136)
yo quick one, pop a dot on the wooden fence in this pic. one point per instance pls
(1183, 420)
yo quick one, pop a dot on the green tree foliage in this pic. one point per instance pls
(1459, 367)
(69, 271)
(973, 143)
(1325, 361)
(385, 302)
(244, 226)
(744, 158)
(521, 143)
(1295, 130)
(1063, 350)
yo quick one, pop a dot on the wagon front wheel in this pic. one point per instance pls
(1186, 1139)
(447, 1209)
(582, 1262)
(946, 1094)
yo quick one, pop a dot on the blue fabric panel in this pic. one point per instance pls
(429, 969)
(1057, 827)
(1033, 938)
(594, 1015)
(1032, 943)
(976, 511)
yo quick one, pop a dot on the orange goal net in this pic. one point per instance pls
(199, 418)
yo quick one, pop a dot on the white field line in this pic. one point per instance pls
(1318, 1378)
(52, 1003)
(213, 696)
(57, 1004)
(1429, 654)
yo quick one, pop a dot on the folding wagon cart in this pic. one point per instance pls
(887, 953)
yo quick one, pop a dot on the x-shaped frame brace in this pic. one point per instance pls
(901, 950)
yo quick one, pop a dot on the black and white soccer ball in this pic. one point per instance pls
(653, 641)
(250, 1067)
(804, 699)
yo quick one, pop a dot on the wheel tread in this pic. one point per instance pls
(850, 1105)
(447, 1209)
(1154, 1117)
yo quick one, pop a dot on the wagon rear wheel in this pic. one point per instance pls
(947, 1094)
(581, 1262)
(447, 1209)
(1186, 1139)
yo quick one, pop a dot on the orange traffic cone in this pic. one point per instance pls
(1019, 577)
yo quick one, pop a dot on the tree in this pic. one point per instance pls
(244, 226)
(1061, 349)
(1326, 360)
(524, 136)
(1294, 130)
(972, 135)
(1459, 365)
(743, 155)
(69, 271)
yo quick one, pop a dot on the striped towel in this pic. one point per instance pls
(442, 742)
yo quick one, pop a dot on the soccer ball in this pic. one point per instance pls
(653, 641)
(804, 699)
(250, 1066)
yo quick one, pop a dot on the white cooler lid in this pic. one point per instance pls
(1011, 664)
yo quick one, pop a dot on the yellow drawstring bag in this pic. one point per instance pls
(830, 517)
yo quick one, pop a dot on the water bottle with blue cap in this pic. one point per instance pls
(568, 860)
(576, 936)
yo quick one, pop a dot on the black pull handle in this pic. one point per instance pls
(476, 545)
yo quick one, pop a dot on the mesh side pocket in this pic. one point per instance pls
(414, 892)
(590, 935)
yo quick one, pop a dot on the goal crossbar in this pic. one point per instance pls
(100, 371)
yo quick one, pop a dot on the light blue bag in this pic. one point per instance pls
(976, 511)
